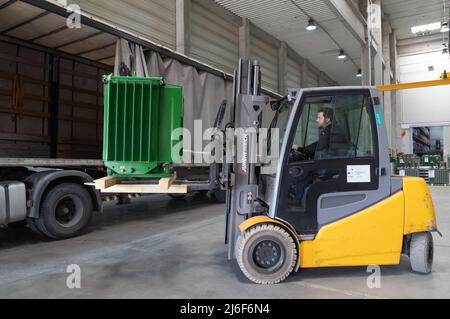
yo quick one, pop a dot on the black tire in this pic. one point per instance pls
(421, 252)
(17, 225)
(177, 196)
(266, 254)
(31, 222)
(219, 195)
(65, 211)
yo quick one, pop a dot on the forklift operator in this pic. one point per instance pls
(318, 150)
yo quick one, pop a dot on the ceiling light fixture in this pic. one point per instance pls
(426, 28)
(359, 74)
(311, 25)
(445, 27)
(342, 55)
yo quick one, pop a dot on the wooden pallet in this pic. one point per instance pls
(111, 184)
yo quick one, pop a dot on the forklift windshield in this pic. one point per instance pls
(279, 122)
(281, 119)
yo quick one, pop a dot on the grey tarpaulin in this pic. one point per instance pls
(203, 92)
(130, 60)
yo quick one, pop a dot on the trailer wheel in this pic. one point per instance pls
(65, 211)
(421, 252)
(177, 196)
(266, 254)
(31, 222)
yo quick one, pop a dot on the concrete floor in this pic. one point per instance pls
(161, 248)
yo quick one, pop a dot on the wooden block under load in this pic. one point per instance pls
(118, 185)
(165, 183)
(146, 189)
(106, 182)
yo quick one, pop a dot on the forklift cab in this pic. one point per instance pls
(345, 173)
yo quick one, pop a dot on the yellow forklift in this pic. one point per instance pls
(329, 199)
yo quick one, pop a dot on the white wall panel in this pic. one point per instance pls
(267, 55)
(153, 19)
(294, 74)
(214, 39)
(427, 106)
(312, 79)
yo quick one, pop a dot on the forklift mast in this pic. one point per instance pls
(239, 177)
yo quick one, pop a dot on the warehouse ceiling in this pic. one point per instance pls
(26, 22)
(286, 21)
(405, 14)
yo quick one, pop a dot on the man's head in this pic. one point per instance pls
(324, 117)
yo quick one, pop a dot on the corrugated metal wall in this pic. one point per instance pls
(312, 78)
(294, 74)
(214, 40)
(267, 55)
(153, 19)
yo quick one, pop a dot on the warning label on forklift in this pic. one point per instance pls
(358, 174)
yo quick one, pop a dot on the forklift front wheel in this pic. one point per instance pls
(266, 254)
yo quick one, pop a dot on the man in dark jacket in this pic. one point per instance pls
(318, 150)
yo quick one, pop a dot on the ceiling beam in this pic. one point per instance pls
(41, 15)
(7, 4)
(419, 39)
(79, 40)
(60, 29)
(97, 48)
(348, 17)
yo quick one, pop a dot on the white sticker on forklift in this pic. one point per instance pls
(358, 174)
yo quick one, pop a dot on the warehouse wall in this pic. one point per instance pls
(214, 35)
(294, 73)
(425, 106)
(312, 79)
(153, 19)
(203, 30)
(265, 50)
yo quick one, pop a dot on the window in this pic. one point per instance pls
(335, 127)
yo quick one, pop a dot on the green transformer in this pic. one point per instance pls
(430, 160)
(139, 118)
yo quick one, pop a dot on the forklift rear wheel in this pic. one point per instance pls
(421, 252)
(266, 254)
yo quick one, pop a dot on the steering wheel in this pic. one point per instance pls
(297, 156)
